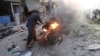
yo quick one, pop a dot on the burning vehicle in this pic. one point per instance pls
(51, 32)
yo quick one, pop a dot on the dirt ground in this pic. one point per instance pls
(74, 44)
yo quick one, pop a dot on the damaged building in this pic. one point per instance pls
(11, 14)
(10, 10)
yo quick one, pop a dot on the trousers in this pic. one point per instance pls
(31, 35)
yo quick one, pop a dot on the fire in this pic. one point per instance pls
(45, 30)
(54, 25)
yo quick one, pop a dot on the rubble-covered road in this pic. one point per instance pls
(74, 44)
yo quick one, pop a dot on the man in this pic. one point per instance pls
(33, 20)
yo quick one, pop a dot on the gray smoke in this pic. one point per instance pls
(72, 18)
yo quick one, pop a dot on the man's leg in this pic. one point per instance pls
(34, 34)
(29, 38)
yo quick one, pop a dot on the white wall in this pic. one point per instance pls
(32, 4)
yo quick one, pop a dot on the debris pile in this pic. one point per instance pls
(9, 30)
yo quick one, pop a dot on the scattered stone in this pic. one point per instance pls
(16, 54)
(75, 48)
(82, 25)
(12, 47)
(66, 32)
(82, 47)
(20, 30)
(9, 49)
(25, 39)
(74, 53)
(83, 55)
(8, 39)
(12, 42)
(29, 53)
(84, 39)
(94, 47)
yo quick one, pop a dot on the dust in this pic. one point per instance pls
(70, 14)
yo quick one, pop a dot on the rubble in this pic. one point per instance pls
(21, 29)
(29, 53)
(23, 53)
(94, 47)
(24, 39)
(5, 32)
(13, 47)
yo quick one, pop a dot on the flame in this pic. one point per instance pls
(45, 30)
(54, 25)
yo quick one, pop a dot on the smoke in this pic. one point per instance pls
(70, 14)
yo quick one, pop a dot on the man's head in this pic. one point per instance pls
(34, 11)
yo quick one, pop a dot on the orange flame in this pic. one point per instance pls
(45, 30)
(54, 25)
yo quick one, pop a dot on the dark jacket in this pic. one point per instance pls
(33, 19)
